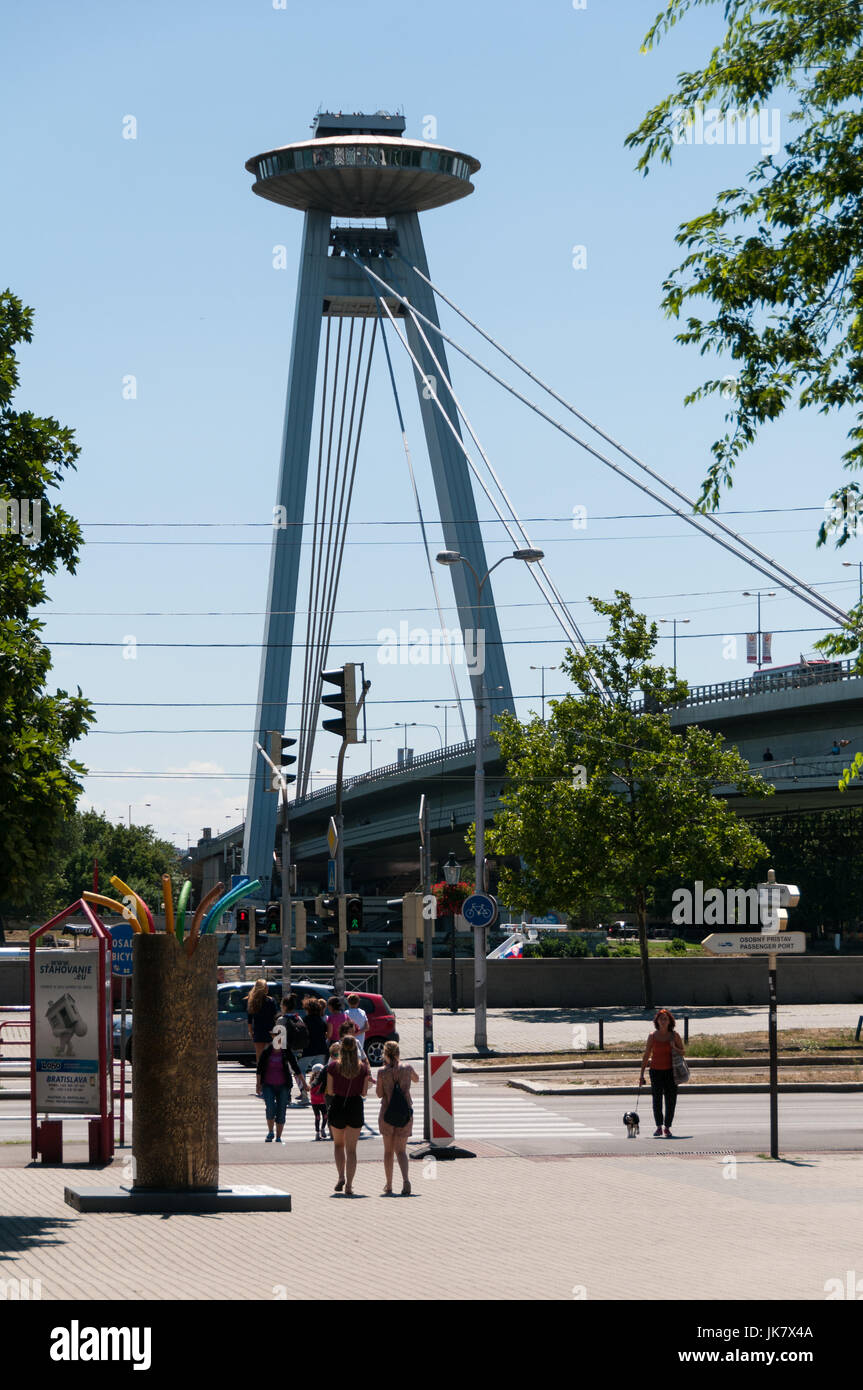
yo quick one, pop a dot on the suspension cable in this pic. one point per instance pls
(780, 569)
(424, 533)
(810, 596)
(571, 633)
(580, 640)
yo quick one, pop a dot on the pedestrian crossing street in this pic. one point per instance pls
(502, 1117)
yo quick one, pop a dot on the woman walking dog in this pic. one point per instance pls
(658, 1055)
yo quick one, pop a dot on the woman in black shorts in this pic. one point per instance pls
(347, 1082)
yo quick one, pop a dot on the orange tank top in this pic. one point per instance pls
(660, 1058)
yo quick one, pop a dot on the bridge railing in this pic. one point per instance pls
(773, 680)
(791, 770)
(378, 774)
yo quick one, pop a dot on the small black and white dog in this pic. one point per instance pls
(630, 1119)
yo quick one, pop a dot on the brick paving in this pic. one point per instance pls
(496, 1227)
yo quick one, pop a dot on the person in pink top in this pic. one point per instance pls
(275, 1066)
(336, 1016)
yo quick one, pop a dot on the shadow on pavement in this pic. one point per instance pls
(20, 1233)
(613, 1013)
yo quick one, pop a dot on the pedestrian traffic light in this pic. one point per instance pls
(281, 759)
(274, 919)
(344, 700)
(355, 914)
(242, 918)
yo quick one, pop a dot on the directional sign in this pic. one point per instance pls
(122, 937)
(331, 875)
(332, 838)
(786, 943)
(789, 894)
(479, 910)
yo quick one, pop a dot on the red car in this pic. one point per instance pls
(234, 1041)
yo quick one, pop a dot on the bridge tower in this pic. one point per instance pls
(359, 167)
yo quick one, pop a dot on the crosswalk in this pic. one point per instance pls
(242, 1119)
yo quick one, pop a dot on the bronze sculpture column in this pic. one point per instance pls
(175, 1131)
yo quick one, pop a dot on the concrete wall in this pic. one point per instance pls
(546, 984)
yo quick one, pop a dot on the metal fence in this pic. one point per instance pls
(357, 977)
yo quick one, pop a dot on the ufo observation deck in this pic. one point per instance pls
(358, 174)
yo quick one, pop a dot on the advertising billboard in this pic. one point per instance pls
(66, 1026)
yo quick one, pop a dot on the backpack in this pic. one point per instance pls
(398, 1112)
(297, 1033)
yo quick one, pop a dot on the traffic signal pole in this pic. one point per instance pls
(428, 979)
(339, 819)
(287, 924)
(351, 728)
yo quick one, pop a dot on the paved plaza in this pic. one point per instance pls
(496, 1227)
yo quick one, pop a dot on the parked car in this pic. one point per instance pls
(232, 1030)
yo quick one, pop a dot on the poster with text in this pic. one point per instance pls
(66, 1032)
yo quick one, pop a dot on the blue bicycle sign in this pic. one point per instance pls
(479, 910)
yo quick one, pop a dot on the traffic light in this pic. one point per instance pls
(344, 700)
(355, 914)
(242, 921)
(326, 908)
(274, 919)
(412, 924)
(299, 926)
(279, 755)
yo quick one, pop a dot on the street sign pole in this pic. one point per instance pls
(122, 1061)
(774, 1057)
(480, 938)
(428, 979)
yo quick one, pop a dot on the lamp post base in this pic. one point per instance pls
(442, 1152)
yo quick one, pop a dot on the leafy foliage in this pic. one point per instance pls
(133, 853)
(780, 257)
(39, 783)
(558, 946)
(643, 804)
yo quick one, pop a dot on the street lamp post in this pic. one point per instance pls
(480, 977)
(543, 669)
(849, 564)
(771, 593)
(675, 621)
(145, 803)
(445, 708)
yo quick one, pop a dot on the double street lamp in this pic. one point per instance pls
(453, 557)
(756, 593)
(675, 621)
(543, 669)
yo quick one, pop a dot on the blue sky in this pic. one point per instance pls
(151, 258)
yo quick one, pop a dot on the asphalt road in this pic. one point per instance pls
(495, 1118)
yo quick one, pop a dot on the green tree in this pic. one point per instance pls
(780, 258)
(607, 797)
(134, 853)
(39, 783)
